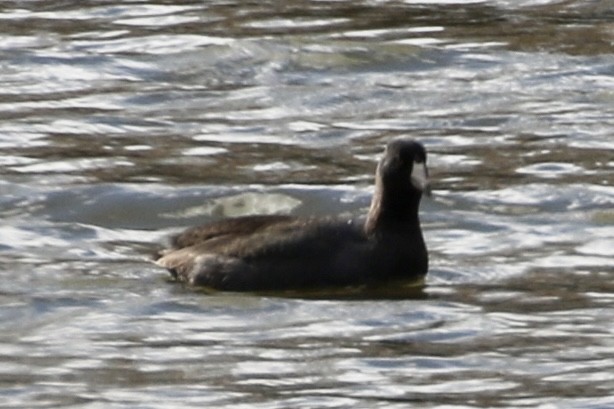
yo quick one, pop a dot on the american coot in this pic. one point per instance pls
(269, 253)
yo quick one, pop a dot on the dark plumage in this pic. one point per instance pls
(263, 253)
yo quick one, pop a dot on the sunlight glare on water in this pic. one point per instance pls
(124, 123)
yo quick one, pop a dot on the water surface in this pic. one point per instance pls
(124, 122)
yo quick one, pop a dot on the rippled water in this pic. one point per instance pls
(123, 122)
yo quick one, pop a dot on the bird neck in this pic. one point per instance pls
(393, 211)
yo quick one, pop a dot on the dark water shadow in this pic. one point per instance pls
(393, 290)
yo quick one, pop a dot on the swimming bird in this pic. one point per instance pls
(280, 252)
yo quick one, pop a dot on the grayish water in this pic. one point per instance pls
(122, 122)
